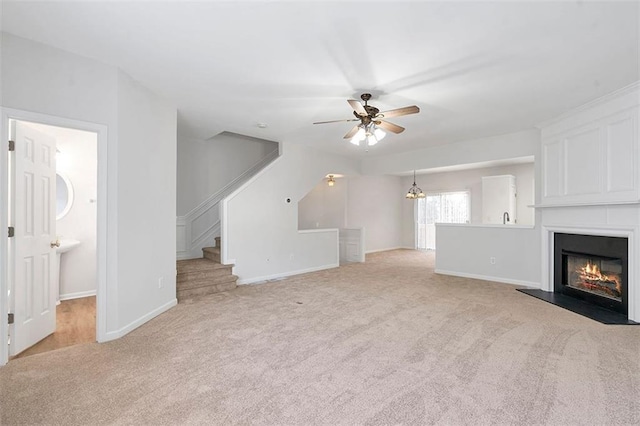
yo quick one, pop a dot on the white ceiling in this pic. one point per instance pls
(475, 69)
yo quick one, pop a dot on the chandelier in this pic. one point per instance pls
(414, 192)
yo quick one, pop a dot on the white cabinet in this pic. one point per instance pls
(499, 199)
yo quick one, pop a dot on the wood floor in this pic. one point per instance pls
(75, 323)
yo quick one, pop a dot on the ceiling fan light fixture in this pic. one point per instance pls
(370, 118)
(360, 135)
(331, 180)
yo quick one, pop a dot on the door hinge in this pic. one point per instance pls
(10, 318)
(12, 146)
(12, 231)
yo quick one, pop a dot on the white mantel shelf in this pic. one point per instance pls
(587, 204)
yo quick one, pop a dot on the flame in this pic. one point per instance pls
(592, 269)
(592, 272)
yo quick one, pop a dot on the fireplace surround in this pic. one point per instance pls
(592, 268)
(555, 221)
(590, 275)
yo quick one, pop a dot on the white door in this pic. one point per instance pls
(32, 214)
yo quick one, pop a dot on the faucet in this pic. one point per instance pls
(505, 218)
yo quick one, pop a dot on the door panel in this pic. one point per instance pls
(32, 194)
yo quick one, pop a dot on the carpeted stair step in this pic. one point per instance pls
(198, 277)
(205, 280)
(202, 269)
(203, 291)
(212, 253)
(202, 264)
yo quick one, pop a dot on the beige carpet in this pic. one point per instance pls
(386, 342)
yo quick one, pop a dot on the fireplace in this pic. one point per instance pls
(592, 268)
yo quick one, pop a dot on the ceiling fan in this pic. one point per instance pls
(372, 121)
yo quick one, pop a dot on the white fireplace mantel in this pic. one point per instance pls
(624, 231)
(590, 180)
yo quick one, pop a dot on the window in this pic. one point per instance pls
(442, 207)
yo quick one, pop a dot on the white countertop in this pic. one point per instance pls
(486, 225)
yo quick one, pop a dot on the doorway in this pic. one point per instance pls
(83, 183)
(439, 207)
(75, 262)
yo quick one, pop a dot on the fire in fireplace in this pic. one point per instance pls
(592, 268)
(598, 276)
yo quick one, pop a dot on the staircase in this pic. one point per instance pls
(199, 277)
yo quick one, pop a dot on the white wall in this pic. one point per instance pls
(147, 202)
(471, 180)
(77, 160)
(45, 80)
(590, 155)
(259, 228)
(376, 204)
(466, 250)
(78, 267)
(463, 250)
(324, 206)
(501, 147)
(206, 166)
(140, 175)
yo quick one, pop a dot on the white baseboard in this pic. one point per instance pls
(183, 255)
(489, 278)
(116, 334)
(385, 249)
(286, 274)
(77, 295)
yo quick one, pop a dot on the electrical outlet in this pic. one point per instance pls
(492, 260)
(160, 282)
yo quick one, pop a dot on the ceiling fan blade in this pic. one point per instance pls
(352, 132)
(357, 107)
(393, 128)
(400, 111)
(335, 121)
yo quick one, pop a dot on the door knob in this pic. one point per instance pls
(56, 243)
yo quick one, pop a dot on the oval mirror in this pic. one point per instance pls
(64, 195)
